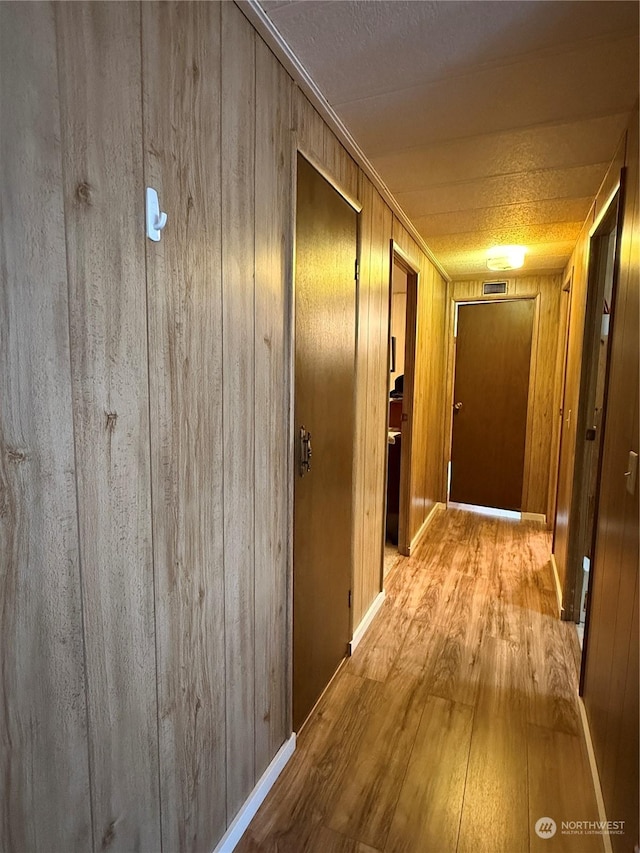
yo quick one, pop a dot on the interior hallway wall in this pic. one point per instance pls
(611, 685)
(542, 422)
(144, 465)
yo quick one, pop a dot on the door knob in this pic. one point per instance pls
(457, 407)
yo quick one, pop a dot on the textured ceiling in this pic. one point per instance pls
(491, 121)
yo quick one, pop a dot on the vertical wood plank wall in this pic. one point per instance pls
(43, 720)
(611, 660)
(181, 75)
(145, 411)
(99, 59)
(543, 394)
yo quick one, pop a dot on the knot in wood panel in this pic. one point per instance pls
(112, 417)
(109, 835)
(16, 455)
(83, 192)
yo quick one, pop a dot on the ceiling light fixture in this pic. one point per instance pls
(505, 257)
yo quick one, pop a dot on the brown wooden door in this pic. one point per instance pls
(325, 306)
(493, 355)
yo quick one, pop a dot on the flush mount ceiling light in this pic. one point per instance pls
(505, 257)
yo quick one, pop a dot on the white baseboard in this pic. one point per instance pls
(367, 619)
(556, 578)
(417, 539)
(602, 813)
(533, 516)
(242, 820)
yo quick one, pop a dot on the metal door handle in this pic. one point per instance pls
(305, 451)
(457, 407)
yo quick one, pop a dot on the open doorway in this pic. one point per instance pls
(402, 345)
(599, 321)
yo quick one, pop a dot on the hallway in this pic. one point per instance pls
(455, 725)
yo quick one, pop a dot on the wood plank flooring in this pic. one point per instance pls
(455, 725)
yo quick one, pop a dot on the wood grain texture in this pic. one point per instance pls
(273, 268)
(386, 763)
(544, 393)
(376, 278)
(101, 108)
(363, 576)
(611, 670)
(339, 164)
(238, 398)
(492, 380)
(309, 126)
(427, 815)
(577, 309)
(553, 756)
(181, 52)
(43, 724)
(325, 332)
(558, 397)
(366, 802)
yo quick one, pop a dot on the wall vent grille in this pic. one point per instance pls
(491, 287)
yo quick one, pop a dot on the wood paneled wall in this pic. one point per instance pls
(44, 759)
(371, 396)
(145, 460)
(542, 423)
(427, 468)
(611, 660)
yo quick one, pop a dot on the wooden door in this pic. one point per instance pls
(325, 305)
(493, 355)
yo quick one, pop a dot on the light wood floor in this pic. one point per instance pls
(455, 725)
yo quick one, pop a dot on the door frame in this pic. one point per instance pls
(290, 381)
(610, 214)
(454, 303)
(399, 256)
(560, 394)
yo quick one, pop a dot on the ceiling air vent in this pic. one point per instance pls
(491, 287)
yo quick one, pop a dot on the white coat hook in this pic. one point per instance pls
(156, 218)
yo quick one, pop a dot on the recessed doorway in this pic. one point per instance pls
(493, 341)
(402, 347)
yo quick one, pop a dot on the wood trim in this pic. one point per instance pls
(367, 619)
(531, 393)
(232, 836)
(290, 398)
(417, 539)
(534, 516)
(577, 511)
(559, 403)
(330, 178)
(411, 339)
(557, 584)
(605, 209)
(265, 27)
(595, 776)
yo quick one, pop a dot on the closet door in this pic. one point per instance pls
(325, 305)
